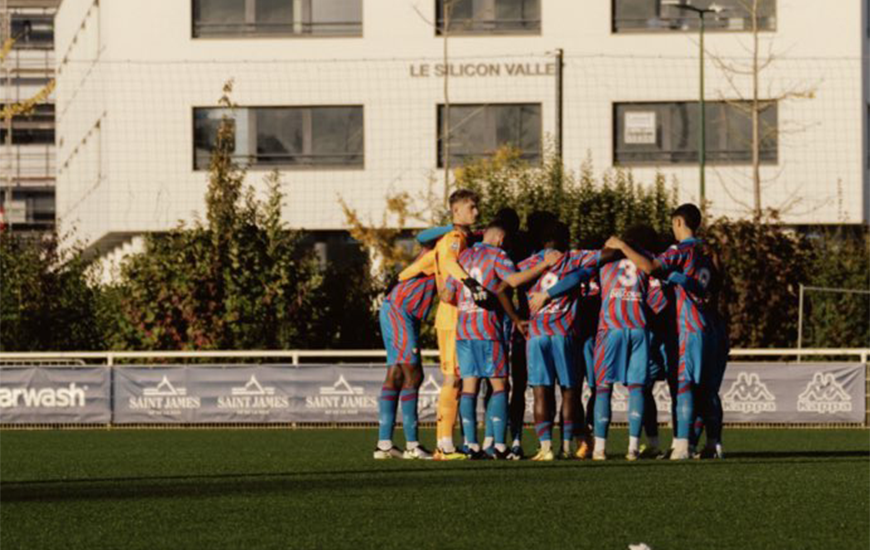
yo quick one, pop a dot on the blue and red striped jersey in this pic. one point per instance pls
(557, 317)
(626, 296)
(488, 265)
(688, 258)
(656, 299)
(414, 296)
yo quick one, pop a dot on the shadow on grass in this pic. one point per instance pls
(380, 478)
(798, 454)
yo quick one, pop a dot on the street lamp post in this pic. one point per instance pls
(702, 138)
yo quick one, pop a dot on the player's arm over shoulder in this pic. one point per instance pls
(424, 265)
(668, 261)
(448, 249)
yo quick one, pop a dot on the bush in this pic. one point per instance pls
(841, 261)
(47, 301)
(763, 266)
(242, 280)
(593, 210)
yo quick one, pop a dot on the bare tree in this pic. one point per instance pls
(444, 28)
(754, 105)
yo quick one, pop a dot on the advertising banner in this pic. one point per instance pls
(55, 395)
(348, 394)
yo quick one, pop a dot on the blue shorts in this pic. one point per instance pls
(551, 359)
(400, 336)
(691, 356)
(622, 355)
(481, 359)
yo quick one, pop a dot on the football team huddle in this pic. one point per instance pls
(520, 308)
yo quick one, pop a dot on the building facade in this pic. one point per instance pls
(351, 100)
(27, 187)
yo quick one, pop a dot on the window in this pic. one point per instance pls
(267, 137)
(478, 130)
(34, 128)
(661, 133)
(36, 206)
(228, 18)
(655, 15)
(489, 16)
(32, 32)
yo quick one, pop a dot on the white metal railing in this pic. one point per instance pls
(109, 357)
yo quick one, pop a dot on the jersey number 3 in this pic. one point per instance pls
(627, 273)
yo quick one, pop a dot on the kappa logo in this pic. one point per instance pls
(619, 398)
(430, 387)
(341, 387)
(748, 394)
(824, 395)
(530, 401)
(429, 393)
(253, 387)
(662, 396)
(164, 389)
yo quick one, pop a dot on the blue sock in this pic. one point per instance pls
(387, 413)
(544, 431)
(635, 409)
(685, 410)
(602, 411)
(409, 414)
(468, 414)
(567, 431)
(497, 416)
(487, 419)
(650, 413)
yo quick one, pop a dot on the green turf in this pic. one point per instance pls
(320, 489)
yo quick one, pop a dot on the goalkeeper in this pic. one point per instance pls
(464, 211)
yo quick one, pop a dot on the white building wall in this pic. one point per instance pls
(130, 75)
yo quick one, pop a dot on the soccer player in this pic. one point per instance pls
(480, 335)
(464, 211)
(551, 347)
(518, 247)
(622, 344)
(622, 332)
(719, 347)
(405, 306)
(686, 257)
(709, 412)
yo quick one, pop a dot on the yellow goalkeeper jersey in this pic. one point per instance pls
(446, 264)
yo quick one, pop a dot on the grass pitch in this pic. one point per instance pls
(778, 489)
